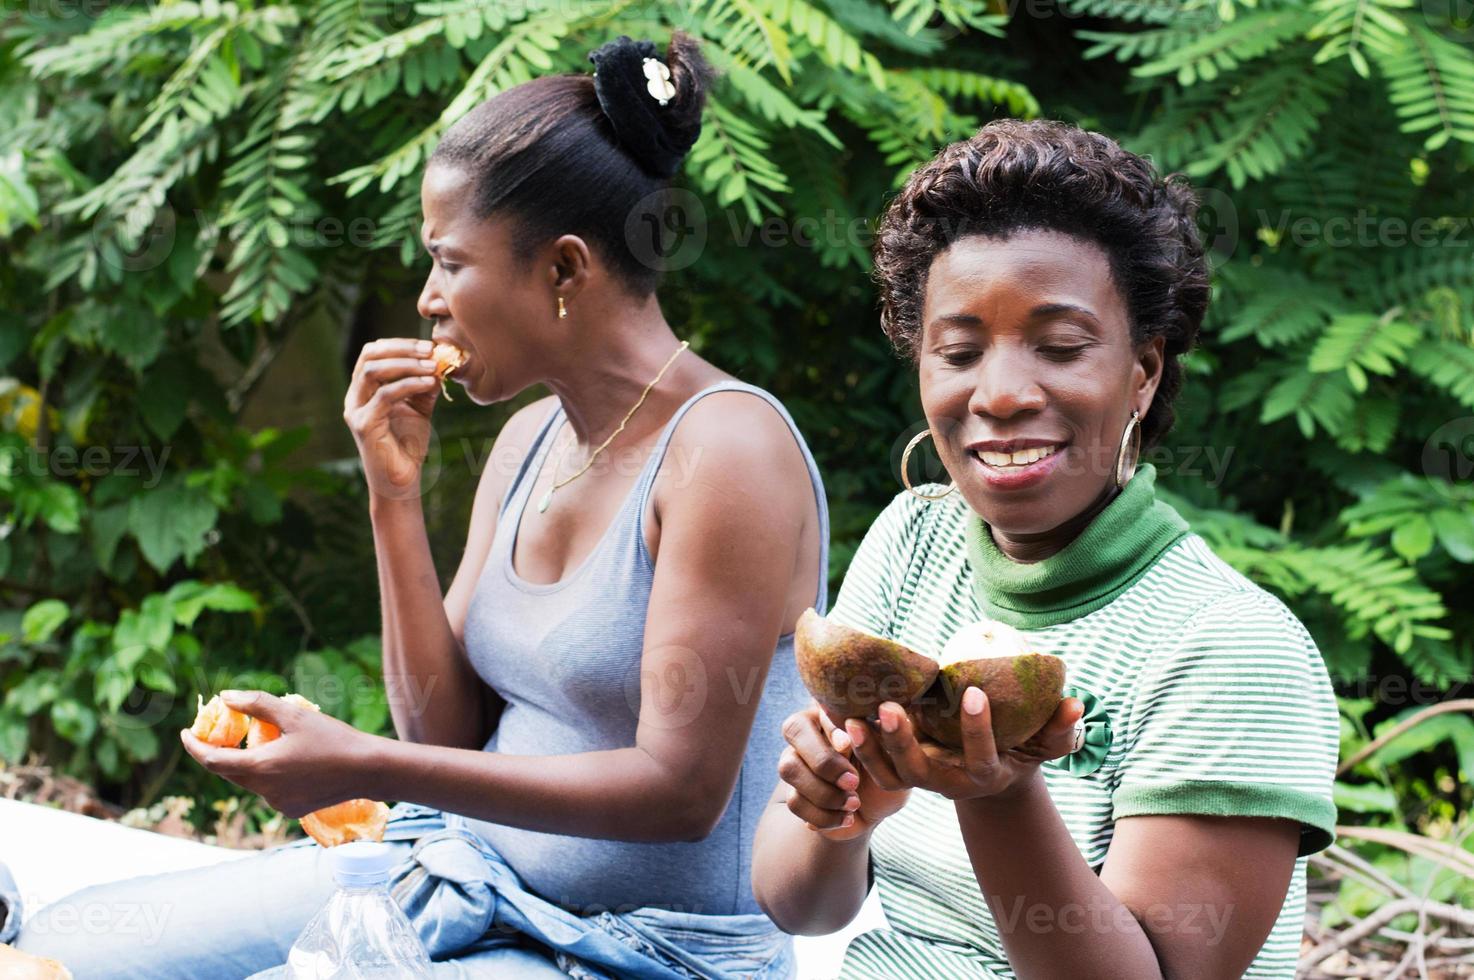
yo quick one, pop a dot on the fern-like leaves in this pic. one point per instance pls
(1361, 342)
(1431, 82)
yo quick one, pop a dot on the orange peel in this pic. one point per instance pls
(347, 821)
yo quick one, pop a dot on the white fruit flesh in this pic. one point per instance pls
(984, 639)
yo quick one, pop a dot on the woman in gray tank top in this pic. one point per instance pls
(589, 719)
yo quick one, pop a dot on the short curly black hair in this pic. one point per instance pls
(1015, 175)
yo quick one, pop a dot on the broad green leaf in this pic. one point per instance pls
(136, 738)
(14, 737)
(112, 684)
(1425, 736)
(1455, 533)
(109, 523)
(190, 598)
(33, 693)
(1413, 539)
(1365, 798)
(171, 522)
(74, 721)
(43, 619)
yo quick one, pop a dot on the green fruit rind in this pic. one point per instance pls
(851, 672)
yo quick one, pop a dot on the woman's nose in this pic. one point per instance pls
(432, 304)
(1005, 385)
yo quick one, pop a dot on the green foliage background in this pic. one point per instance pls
(167, 171)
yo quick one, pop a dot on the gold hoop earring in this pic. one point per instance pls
(562, 310)
(1131, 435)
(906, 478)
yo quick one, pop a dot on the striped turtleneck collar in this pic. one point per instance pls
(1113, 551)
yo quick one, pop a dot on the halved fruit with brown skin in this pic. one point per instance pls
(1023, 692)
(851, 672)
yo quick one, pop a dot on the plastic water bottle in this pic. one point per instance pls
(361, 933)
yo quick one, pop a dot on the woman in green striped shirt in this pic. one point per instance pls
(1045, 282)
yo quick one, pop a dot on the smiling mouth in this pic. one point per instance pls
(1015, 460)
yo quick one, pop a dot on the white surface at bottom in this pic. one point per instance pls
(52, 853)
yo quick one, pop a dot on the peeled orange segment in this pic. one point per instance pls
(260, 732)
(347, 821)
(219, 724)
(447, 357)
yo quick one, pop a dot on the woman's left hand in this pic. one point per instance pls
(897, 759)
(317, 761)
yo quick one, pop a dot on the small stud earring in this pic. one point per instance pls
(562, 310)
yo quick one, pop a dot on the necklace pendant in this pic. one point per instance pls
(547, 499)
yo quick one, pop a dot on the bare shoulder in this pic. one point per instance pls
(736, 440)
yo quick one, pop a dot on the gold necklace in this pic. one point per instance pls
(547, 498)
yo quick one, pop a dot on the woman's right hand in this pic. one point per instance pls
(387, 408)
(827, 790)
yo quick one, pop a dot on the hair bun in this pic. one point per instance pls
(657, 136)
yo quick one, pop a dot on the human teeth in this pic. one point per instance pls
(1021, 458)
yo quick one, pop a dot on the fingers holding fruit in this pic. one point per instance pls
(873, 744)
(385, 361)
(219, 724)
(1057, 738)
(820, 779)
(388, 407)
(393, 359)
(293, 752)
(819, 774)
(827, 789)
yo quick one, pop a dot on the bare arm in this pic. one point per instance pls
(728, 548)
(435, 696)
(1207, 890)
(1178, 897)
(811, 857)
(807, 883)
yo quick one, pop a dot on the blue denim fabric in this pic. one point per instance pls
(240, 918)
(10, 909)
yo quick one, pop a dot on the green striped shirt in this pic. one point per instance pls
(1217, 699)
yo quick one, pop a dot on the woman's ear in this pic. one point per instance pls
(569, 266)
(1147, 373)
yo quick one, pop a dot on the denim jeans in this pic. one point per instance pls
(239, 919)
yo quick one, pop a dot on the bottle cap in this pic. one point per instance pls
(360, 863)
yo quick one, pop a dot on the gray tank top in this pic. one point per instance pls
(566, 656)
